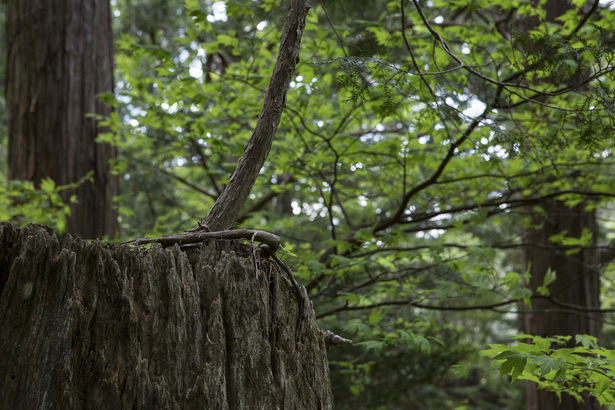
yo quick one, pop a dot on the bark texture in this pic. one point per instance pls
(60, 56)
(90, 325)
(577, 283)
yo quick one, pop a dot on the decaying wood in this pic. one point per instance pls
(333, 339)
(91, 325)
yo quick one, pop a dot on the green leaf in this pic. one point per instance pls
(514, 363)
(547, 364)
(288, 248)
(548, 279)
(227, 40)
(374, 345)
(422, 344)
(587, 341)
(561, 369)
(48, 185)
(602, 384)
(376, 316)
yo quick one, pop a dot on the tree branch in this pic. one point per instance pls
(196, 237)
(235, 193)
(433, 178)
(491, 306)
(186, 182)
(197, 147)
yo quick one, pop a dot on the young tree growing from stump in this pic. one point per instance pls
(215, 326)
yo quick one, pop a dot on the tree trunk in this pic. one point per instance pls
(577, 283)
(60, 56)
(577, 276)
(91, 325)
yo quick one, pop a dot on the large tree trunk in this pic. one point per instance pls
(60, 56)
(91, 325)
(577, 283)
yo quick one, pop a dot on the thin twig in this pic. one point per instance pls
(333, 28)
(186, 182)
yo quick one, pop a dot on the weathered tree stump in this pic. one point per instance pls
(93, 325)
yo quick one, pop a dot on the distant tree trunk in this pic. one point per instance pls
(90, 325)
(577, 277)
(577, 283)
(60, 56)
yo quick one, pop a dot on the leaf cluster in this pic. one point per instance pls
(581, 368)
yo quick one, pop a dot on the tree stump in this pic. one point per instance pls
(94, 325)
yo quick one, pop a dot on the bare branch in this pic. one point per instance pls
(491, 306)
(196, 237)
(186, 182)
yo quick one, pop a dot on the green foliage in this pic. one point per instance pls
(580, 369)
(404, 166)
(22, 203)
(398, 177)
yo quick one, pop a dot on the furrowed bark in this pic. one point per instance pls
(93, 325)
(60, 57)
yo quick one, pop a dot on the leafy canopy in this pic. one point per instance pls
(416, 137)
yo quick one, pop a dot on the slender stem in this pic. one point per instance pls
(229, 203)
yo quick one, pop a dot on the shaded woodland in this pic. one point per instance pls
(440, 181)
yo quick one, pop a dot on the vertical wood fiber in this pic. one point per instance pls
(90, 325)
(60, 56)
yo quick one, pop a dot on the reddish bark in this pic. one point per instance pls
(60, 56)
(577, 283)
